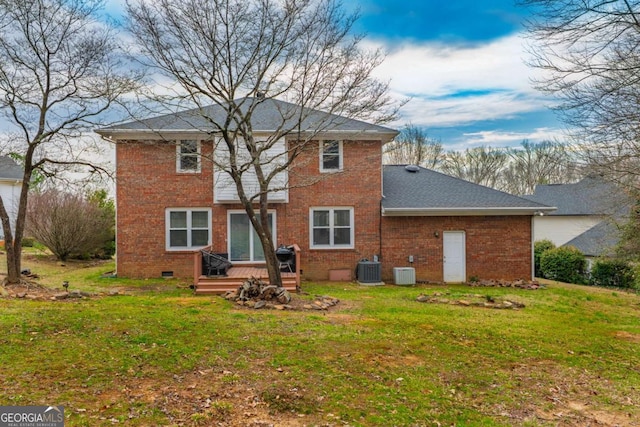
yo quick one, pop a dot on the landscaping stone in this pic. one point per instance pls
(256, 294)
(474, 300)
(520, 283)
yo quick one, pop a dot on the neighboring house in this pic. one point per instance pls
(10, 185)
(340, 206)
(587, 215)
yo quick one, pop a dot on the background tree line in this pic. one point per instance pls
(514, 170)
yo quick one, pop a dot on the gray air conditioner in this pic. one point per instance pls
(369, 272)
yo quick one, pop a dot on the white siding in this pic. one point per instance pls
(224, 189)
(562, 229)
(10, 193)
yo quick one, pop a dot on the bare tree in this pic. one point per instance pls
(58, 74)
(413, 146)
(237, 54)
(480, 165)
(68, 224)
(546, 162)
(588, 53)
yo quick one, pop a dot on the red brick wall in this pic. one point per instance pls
(497, 247)
(147, 184)
(358, 186)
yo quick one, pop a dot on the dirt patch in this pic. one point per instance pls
(627, 336)
(34, 291)
(571, 397)
(206, 397)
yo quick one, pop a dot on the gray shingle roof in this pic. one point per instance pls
(599, 240)
(427, 192)
(9, 169)
(269, 115)
(591, 196)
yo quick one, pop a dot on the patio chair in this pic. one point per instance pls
(214, 264)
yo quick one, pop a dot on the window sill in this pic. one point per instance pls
(332, 248)
(183, 250)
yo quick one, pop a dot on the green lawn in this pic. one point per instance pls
(161, 356)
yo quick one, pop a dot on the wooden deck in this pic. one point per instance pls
(236, 275)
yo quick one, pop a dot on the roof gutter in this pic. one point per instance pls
(118, 134)
(468, 211)
(14, 181)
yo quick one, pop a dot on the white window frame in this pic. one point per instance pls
(331, 210)
(340, 156)
(180, 155)
(274, 234)
(189, 228)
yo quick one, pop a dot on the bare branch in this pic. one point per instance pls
(60, 71)
(237, 55)
(588, 51)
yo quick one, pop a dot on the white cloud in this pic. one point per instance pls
(457, 111)
(455, 85)
(508, 139)
(436, 69)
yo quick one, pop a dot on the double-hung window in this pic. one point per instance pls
(244, 243)
(187, 228)
(330, 156)
(331, 228)
(188, 156)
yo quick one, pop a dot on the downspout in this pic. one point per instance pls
(380, 232)
(533, 259)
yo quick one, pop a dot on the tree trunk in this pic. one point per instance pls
(13, 241)
(13, 268)
(263, 230)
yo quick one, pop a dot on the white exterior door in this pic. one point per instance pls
(454, 256)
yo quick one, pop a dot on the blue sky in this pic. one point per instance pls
(462, 62)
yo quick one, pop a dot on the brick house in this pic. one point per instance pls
(341, 204)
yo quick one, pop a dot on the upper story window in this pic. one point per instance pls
(330, 156)
(331, 228)
(188, 228)
(188, 155)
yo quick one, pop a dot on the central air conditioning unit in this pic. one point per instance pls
(369, 272)
(404, 276)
